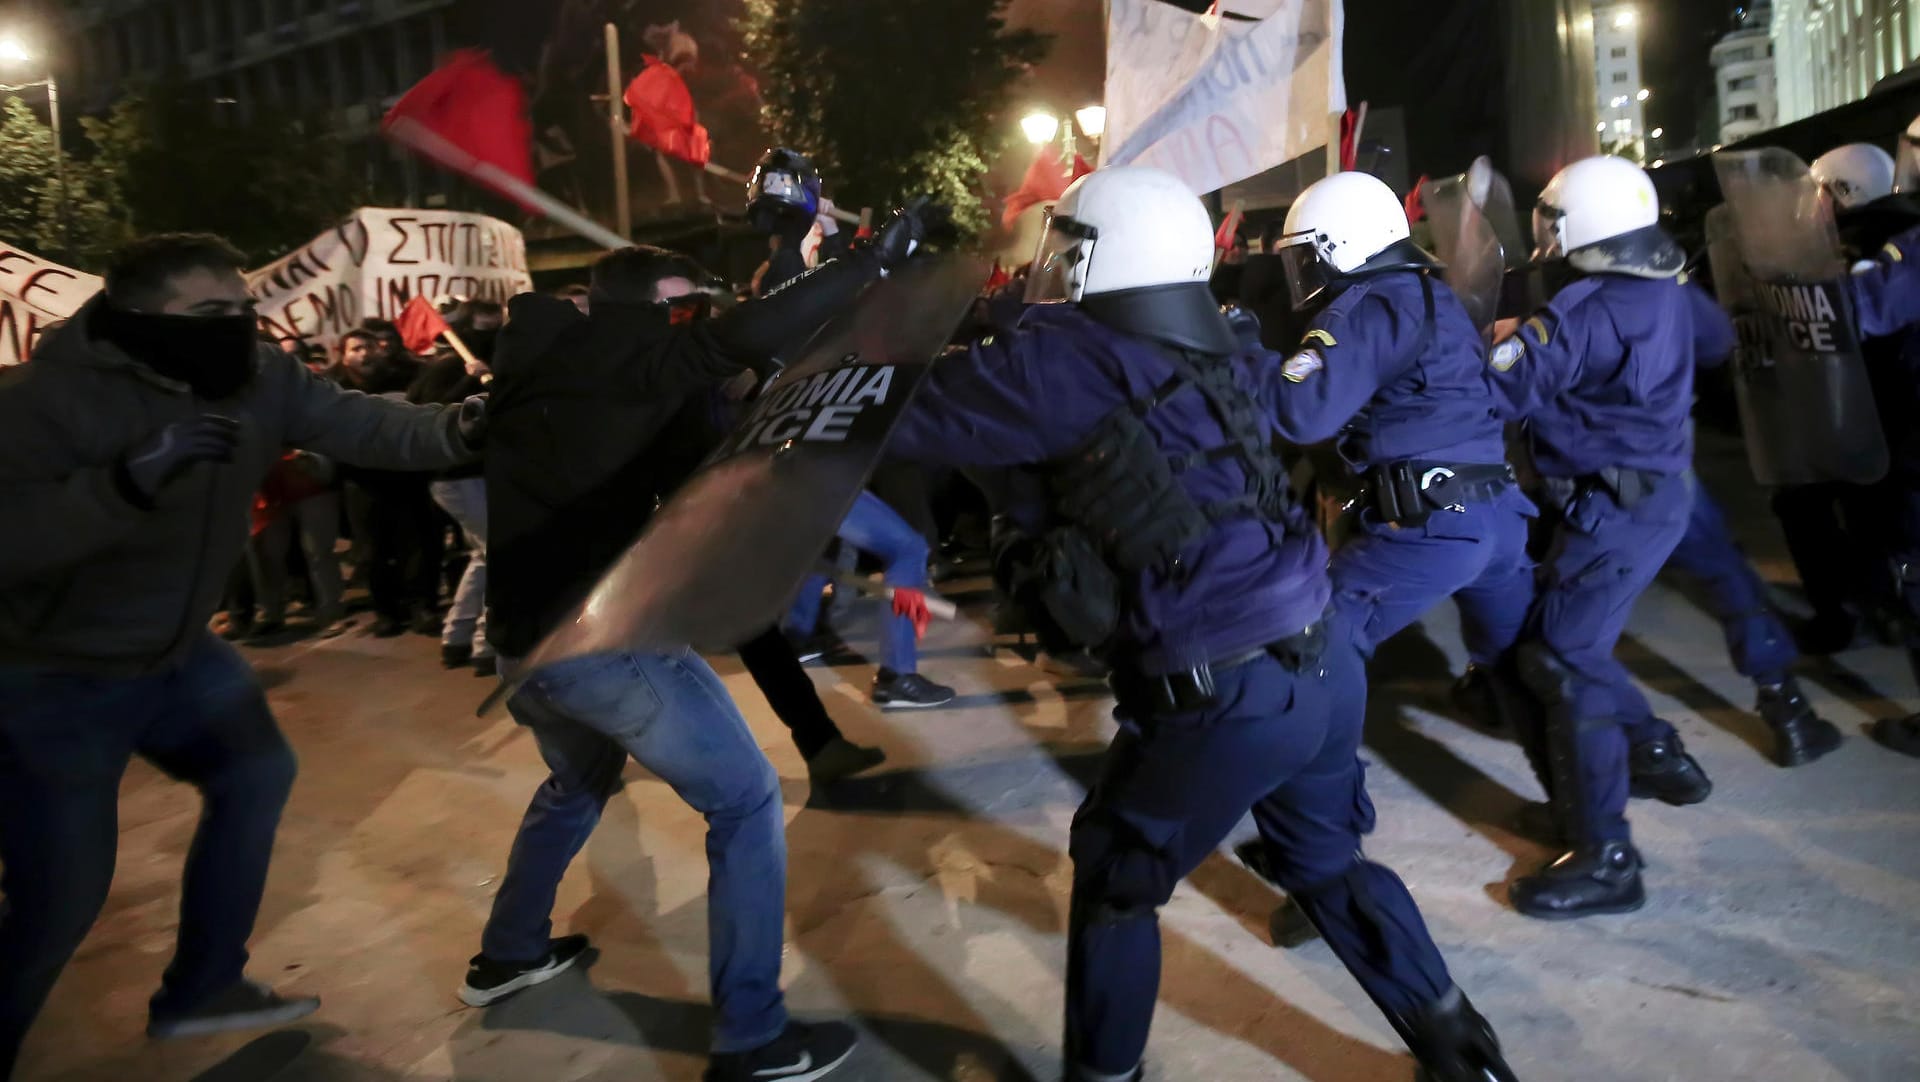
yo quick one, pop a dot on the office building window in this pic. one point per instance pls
(1747, 83)
(1619, 76)
(1744, 112)
(1618, 52)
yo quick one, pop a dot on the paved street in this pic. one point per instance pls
(1780, 943)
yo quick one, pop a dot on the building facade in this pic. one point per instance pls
(1743, 73)
(1620, 93)
(1831, 52)
(343, 60)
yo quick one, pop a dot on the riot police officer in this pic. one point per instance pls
(1172, 544)
(1392, 365)
(1603, 376)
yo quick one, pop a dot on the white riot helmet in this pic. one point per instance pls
(1854, 175)
(1906, 173)
(1133, 246)
(1347, 224)
(1602, 215)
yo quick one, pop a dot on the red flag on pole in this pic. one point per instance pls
(663, 116)
(476, 109)
(1046, 180)
(1229, 227)
(420, 325)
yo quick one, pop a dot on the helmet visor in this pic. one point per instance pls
(779, 186)
(1060, 260)
(1548, 241)
(1307, 274)
(1906, 168)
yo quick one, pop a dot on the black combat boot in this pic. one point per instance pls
(1799, 735)
(1599, 877)
(1453, 1043)
(1663, 770)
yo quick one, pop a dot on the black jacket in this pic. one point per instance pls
(576, 408)
(443, 381)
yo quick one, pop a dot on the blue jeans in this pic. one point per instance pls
(672, 714)
(874, 527)
(465, 500)
(1285, 744)
(65, 742)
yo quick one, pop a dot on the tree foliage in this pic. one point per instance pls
(166, 160)
(892, 98)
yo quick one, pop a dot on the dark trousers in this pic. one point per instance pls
(1836, 537)
(1601, 556)
(1286, 745)
(65, 741)
(405, 539)
(1758, 641)
(770, 660)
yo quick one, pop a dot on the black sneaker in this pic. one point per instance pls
(908, 691)
(800, 1054)
(246, 1005)
(489, 981)
(455, 654)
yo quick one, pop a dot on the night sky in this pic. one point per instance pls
(1676, 39)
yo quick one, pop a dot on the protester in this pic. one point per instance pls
(298, 498)
(461, 492)
(130, 451)
(571, 481)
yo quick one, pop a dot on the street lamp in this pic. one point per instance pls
(1040, 127)
(1643, 95)
(1092, 119)
(1656, 133)
(1624, 19)
(13, 51)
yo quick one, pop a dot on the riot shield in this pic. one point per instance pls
(1805, 398)
(720, 562)
(1466, 242)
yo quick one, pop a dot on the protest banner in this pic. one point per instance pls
(1215, 99)
(376, 261)
(35, 293)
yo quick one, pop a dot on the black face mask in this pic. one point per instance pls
(212, 354)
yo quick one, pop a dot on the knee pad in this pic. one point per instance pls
(1545, 674)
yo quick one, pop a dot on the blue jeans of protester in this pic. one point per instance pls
(1758, 641)
(65, 742)
(673, 715)
(1284, 741)
(874, 527)
(465, 500)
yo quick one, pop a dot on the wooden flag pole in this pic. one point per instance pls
(424, 141)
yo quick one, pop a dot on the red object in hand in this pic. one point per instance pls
(420, 325)
(1046, 181)
(663, 116)
(912, 604)
(1416, 201)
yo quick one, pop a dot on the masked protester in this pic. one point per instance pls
(131, 447)
(573, 472)
(1171, 543)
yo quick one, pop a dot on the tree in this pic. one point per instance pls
(891, 98)
(170, 160)
(30, 193)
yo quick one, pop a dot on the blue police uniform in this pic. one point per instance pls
(1393, 366)
(1280, 732)
(1758, 641)
(1603, 378)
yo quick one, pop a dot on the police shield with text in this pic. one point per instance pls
(1603, 376)
(1171, 545)
(1787, 240)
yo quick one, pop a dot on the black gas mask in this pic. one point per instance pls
(214, 355)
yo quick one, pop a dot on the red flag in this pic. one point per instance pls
(663, 116)
(420, 325)
(1229, 228)
(1046, 180)
(998, 277)
(475, 116)
(1416, 202)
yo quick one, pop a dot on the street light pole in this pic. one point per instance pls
(59, 164)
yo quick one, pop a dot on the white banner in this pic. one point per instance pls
(377, 260)
(33, 294)
(370, 265)
(1213, 99)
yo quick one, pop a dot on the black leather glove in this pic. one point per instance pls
(168, 453)
(903, 231)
